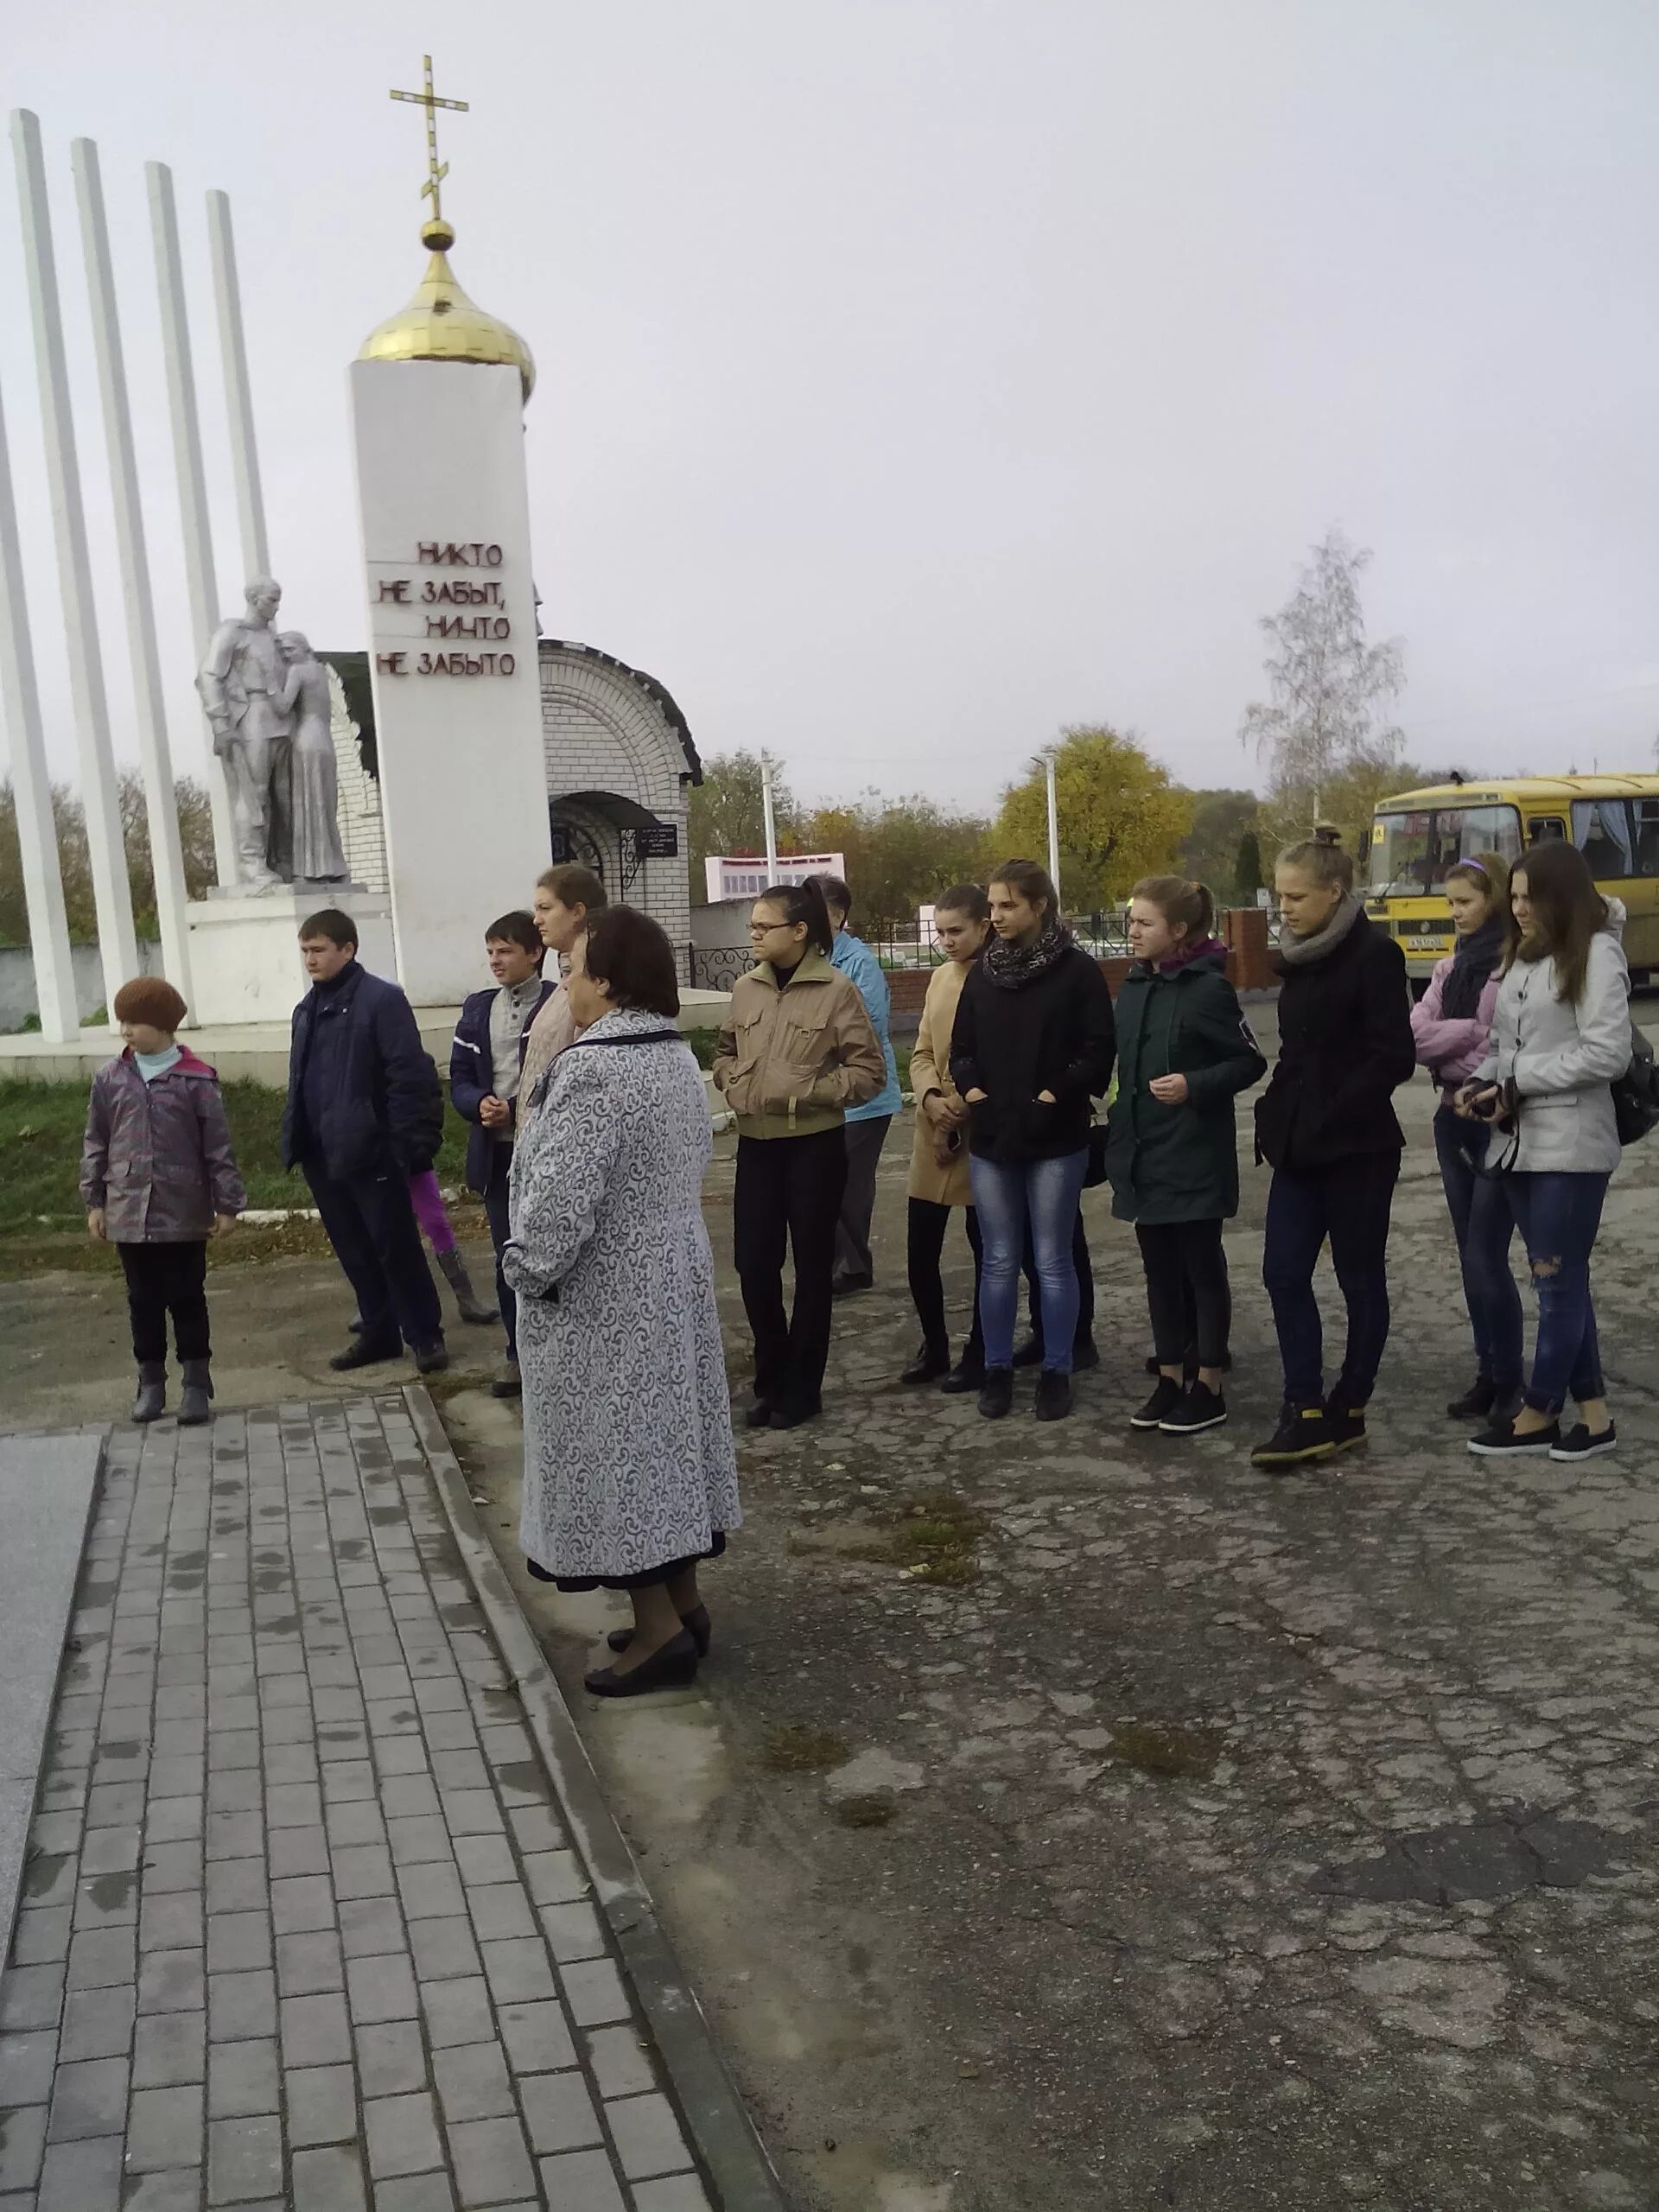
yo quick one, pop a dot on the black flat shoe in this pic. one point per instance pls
(792, 1416)
(363, 1354)
(996, 1393)
(697, 1625)
(927, 1367)
(1053, 1394)
(673, 1668)
(759, 1414)
(966, 1375)
(1158, 1407)
(851, 1285)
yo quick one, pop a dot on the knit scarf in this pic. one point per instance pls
(1307, 951)
(1192, 949)
(1011, 966)
(1472, 964)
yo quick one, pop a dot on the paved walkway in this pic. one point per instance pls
(302, 1928)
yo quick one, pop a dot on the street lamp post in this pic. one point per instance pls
(770, 817)
(1053, 824)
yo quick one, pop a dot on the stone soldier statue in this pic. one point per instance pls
(242, 683)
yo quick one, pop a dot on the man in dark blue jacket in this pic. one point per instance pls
(365, 1111)
(485, 1061)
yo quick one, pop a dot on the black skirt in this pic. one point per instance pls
(648, 1577)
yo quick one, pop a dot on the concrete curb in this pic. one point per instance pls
(735, 2160)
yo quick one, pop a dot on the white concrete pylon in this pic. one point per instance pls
(200, 582)
(238, 392)
(31, 786)
(118, 940)
(167, 858)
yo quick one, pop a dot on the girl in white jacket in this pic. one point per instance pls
(1561, 1038)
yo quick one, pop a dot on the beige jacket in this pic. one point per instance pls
(790, 1061)
(944, 1181)
(554, 1028)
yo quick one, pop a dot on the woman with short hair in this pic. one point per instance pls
(630, 1475)
(1452, 1028)
(1033, 1046)
(1561, 1039)
(796, 1051)
(1327, 1125)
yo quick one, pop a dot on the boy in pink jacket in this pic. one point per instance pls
(1452, 1024)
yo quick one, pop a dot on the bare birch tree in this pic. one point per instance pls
(1329, 687)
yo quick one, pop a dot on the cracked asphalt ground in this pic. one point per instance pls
(1078, 1878)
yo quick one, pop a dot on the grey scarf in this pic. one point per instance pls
(1307, 951)
(1011, 967)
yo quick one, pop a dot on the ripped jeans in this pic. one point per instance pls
(1558, 1216)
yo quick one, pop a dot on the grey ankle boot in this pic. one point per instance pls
(455, 1274)
(151, 1401)
(194, 1406)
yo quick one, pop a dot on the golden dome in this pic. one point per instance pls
(442, 324)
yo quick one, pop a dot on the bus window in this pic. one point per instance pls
(1542, 828)
(1647, 835)
(1411, 852)
(1601, 830)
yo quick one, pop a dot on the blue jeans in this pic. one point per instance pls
(1045, 1193)
(1483, 1224)
(1349, 1201)
(1558, 1216)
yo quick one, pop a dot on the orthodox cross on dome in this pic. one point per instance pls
(436, 170)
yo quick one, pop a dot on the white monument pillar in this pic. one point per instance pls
(167, 858)
(37, 838)
(117, 941)
(238, 393)
(439, 448)
(203, 589)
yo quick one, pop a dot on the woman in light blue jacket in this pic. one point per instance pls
(1561, 1039)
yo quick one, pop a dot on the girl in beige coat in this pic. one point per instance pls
(938, 1163)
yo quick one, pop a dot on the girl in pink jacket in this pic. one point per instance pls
(1453, 1023)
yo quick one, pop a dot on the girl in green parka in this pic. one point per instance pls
(1184, 1052)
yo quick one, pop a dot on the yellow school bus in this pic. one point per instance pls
(1418, 835)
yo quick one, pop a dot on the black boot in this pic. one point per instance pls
(996, 1392)
(454, 1270)
(151, 1401)
(929, 1363)
(194, 1406)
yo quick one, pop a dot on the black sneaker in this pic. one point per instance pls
(1304, 1432)
(1029, 1354)
(996, 1392)
(1199, 1407)
(1346, 1429)
(1499, 1440)
(1053, 1394)
(927, 1367)
(1164, 1400)
(967, 1375)
(1579, 1444)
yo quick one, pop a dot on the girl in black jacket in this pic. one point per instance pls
(1032, 1044)
(1327, 1122)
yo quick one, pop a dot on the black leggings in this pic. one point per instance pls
(163, 1278)
(1187, 1291)
(925, 1244)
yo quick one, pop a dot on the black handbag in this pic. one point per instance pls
(1635, 1094)
(1095, 1173)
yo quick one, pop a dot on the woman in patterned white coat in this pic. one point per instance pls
(630, 1474)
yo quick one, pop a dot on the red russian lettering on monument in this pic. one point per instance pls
(392, 664)
(397, 591)
(447, 553)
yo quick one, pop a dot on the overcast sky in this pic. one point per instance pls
(916, 376)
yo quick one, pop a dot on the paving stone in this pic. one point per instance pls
(299, 1851)
(444, 1948)
(457, 2012)
(430, 1892)
(169, 2049)
(407, 1796)
(22, 2144)
(424, 2193)
(582, 2181)
(238, 1943)
(392, 2060)
(647, 2136)
(89, 2098)
(674, 2193)
(41, 1938)
(491, 2161)
(364, 1871)
(500, 1910)
(242, 2004)
(242, 2078)
(238, 1886)
(369, 1926)
(300, 1904)
(310, 1963)
(164, 2128)
(537, 2038)
(26, 2068)
(593, 1990)
(620, 2062)
(316, 2031)
(111, 1851)
(355, 1822)
(573, 1932)
(472, 2083)
(517, 1972)
(98, 2023)
(381, 1989)
(560, 2113)
(177, 1820)
(177, 2192)
(485, 1860)
(102, 1957)
(555, 1876)
(82, 2177)
(320, 2102)
(171, 1921)
(328, 2181)
(171, 1866)
(401, 2134)
(172, 1981)
(244, 2160)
